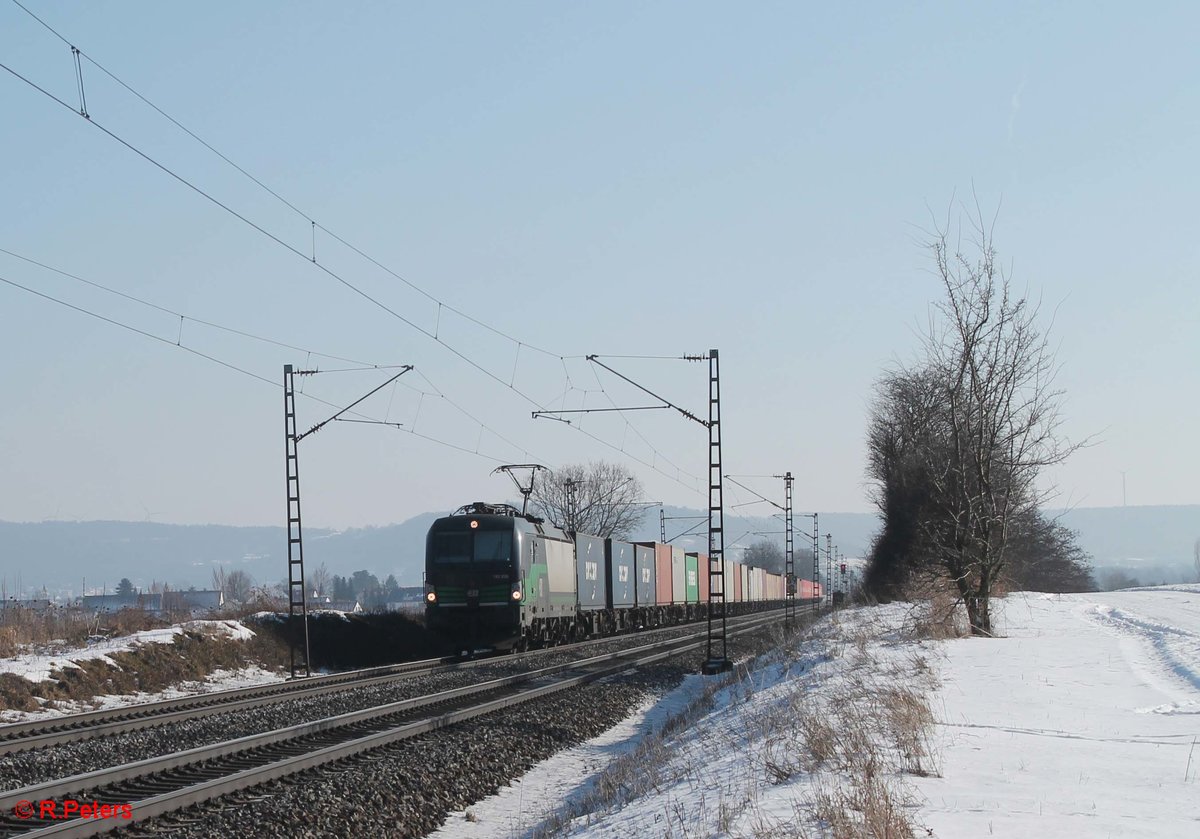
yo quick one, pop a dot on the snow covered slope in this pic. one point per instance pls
(1082, 720)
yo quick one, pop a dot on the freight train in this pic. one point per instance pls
(496, 578)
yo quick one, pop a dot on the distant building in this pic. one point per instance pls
(117, 602)
(36, 606)
(195, 602)
(322, 601)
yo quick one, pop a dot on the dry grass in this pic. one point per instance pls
(146, 668)
(20, 628)
(842, 746)
(937, 614)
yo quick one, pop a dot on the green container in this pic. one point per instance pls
(691, 579)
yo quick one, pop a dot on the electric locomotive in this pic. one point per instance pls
(497, 579)
(495, 576)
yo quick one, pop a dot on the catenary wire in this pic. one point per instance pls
(234, 367)
(433, 335)
(306, 216)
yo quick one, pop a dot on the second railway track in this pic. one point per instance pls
(36, 734)
(171, 782)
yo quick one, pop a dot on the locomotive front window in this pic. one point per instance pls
(452, 547)
(493, 546)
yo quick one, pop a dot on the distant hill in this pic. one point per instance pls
(1154, 542)
(62, 555)
(1151, 544)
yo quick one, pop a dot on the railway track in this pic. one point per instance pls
(17, 737)
(172, 782)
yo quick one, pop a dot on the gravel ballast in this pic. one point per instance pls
(41, 765)
(408, 788)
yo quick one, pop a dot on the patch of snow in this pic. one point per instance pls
(216, 681)
(1080, 720)
(37, 665)
(566, 777)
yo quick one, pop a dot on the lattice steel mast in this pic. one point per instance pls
(297, 593)
(789, 599)
(717, 659)
(297, 601)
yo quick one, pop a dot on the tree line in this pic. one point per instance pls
(958, 440)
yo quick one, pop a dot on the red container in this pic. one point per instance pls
(662, 573)
(739, 578)
(703, 567)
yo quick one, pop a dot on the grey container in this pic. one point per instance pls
(644, 571)
(620, 575)
(589, 570)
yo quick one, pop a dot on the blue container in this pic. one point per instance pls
(589, 570)
(620, 574)
(644, 569)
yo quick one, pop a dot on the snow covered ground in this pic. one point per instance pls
(37, 665)
(1082, 720)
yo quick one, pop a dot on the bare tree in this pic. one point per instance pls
(602, 499)
(765, 554)
(319, 579)
(1044, 555)
(962, 436)
(238, 586)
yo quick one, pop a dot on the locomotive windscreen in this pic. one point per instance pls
(493, 546)
(481, 546)
(452, 547)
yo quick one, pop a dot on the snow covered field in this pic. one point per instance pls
(1082, 720)
(36, 666)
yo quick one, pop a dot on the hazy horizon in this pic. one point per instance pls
(493, 192)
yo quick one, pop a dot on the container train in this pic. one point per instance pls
(498, 579)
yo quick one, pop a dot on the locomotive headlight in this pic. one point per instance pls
(431, 597)
(517, 595)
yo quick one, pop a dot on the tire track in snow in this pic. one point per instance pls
(1177, 649)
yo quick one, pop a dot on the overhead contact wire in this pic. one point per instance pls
(441, 304)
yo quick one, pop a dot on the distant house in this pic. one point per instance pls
(195, 602)
(117, 602)
(322, 601)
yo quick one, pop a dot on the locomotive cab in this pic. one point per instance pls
(473, 585)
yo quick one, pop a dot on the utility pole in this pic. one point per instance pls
(829, 568)
(297, 599)
(789, 601)
(816, 553)
(569, 485)
(717, 660)
(297, 595)
(789, 562)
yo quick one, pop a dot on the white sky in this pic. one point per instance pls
(649, 179)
